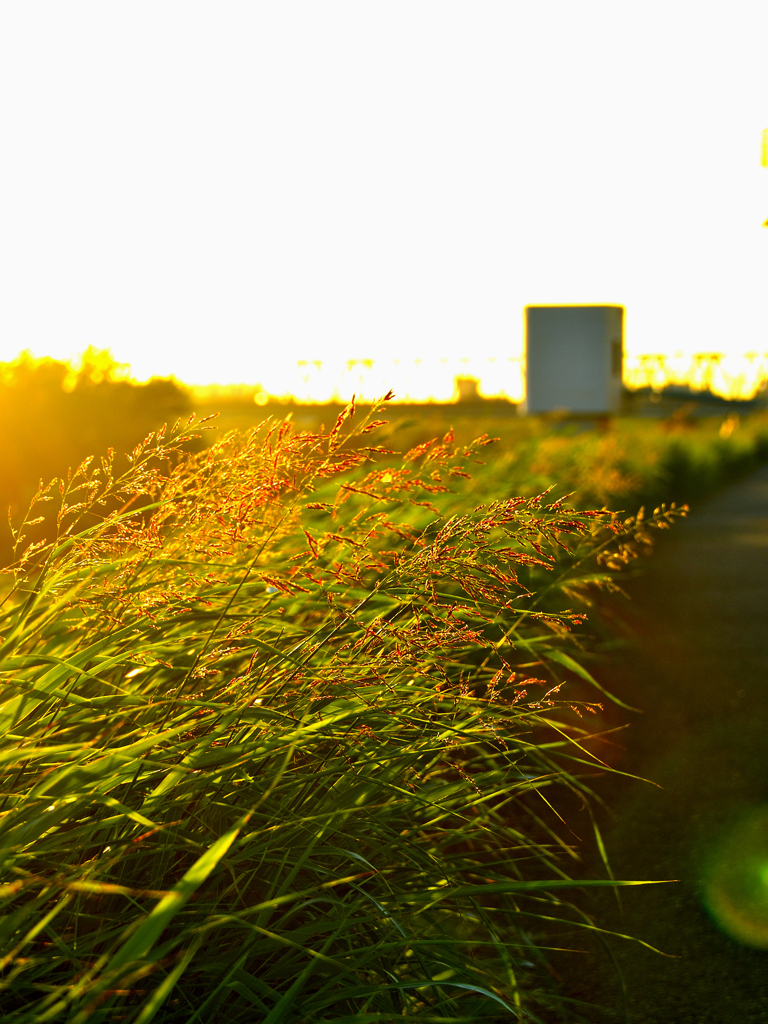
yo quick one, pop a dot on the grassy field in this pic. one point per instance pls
(287, 721)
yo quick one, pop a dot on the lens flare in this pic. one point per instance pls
(735, 888)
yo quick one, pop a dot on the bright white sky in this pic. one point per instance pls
(212, 189)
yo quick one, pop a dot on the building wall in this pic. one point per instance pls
(574, 358)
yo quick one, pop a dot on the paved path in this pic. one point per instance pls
(699, 670)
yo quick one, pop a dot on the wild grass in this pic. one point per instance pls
(283, 740)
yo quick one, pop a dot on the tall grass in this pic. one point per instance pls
(284, 742)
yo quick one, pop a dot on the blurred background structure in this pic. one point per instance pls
(574, 357)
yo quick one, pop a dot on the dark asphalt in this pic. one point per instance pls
(698, 667)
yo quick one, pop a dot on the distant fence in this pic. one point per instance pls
(421, 380)
(739, 375)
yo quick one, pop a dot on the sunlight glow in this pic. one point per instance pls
(412, 380)
(375, 192)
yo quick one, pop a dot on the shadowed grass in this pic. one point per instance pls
(284, 742)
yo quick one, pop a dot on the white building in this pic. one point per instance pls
(574, 358)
